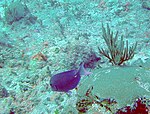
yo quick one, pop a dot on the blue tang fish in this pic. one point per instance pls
(68, 80)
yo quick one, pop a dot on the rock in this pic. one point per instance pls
(3, 92)
(16, 11)
(121, 83)
(146, 5)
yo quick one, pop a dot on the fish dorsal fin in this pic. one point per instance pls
(82, 70)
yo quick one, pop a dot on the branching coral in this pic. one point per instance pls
(118, 52)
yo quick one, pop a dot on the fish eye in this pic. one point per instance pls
(54, 87)
(51, 85)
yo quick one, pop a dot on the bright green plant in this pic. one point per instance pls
(118, 51)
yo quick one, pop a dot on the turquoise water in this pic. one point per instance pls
(40, 38)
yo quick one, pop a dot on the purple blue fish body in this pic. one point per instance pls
(68, 80)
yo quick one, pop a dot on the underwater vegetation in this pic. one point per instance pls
(117, 52)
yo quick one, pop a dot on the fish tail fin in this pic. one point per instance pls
(82, 70)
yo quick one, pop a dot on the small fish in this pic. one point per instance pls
(68, 80)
